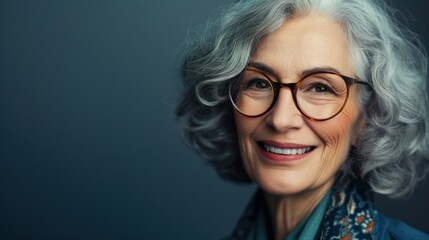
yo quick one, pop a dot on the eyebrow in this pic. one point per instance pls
(266, 69)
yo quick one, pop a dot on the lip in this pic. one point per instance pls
(282, 158)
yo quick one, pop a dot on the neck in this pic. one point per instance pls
(286, 212)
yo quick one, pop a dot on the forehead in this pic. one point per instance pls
(304, 42)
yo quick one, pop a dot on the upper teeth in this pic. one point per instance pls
(286, 151)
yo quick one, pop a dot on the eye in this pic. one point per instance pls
(323, 84)
(320, 88)
(256, 84)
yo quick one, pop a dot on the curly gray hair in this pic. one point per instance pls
(391, 153)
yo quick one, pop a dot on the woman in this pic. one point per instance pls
(319, 102)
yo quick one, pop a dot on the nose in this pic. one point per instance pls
(284, 115)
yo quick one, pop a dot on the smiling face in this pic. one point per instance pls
(282, 150)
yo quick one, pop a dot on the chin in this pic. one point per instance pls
(281, 185)
(276, 183)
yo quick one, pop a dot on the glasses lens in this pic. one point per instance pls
(321, 95)
(252, 94)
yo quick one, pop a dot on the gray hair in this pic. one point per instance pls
(392, 148)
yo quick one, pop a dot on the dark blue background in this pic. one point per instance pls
(89, 145)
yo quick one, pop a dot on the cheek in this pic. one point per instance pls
(247, 156)
(338, 132)
(245, 129)
(336, 135)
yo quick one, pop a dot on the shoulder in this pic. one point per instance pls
(391, 229)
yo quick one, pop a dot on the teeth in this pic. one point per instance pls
(286, 151)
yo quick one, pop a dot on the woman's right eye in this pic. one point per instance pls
(256, 84)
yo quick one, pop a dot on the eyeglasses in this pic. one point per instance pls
(318, 96)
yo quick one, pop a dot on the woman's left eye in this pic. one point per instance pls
(322, 88)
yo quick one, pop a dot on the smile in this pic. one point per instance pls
(286, 151)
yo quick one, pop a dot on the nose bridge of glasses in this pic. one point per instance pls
(291, 86)
(279, 85)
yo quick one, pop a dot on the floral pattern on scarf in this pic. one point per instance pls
(350, 215)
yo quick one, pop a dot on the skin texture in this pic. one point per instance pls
(294, 188)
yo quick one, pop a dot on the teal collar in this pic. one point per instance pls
(309, 227)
